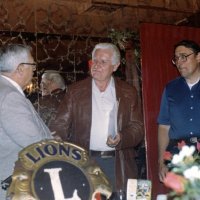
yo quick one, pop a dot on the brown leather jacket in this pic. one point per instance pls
(73, 123)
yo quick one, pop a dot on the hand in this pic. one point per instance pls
(163, 169)
(113, 142)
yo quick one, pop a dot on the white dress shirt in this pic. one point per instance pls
(102, 105)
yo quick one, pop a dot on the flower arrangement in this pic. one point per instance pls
(184, 174)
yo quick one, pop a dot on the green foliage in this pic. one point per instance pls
(120, 38)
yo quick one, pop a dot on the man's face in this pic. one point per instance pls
(102, 67)
(28, 70)
(186, 62)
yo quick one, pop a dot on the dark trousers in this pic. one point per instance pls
(108, 167)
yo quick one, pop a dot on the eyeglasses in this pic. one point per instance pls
(182, 57)
(34, 65)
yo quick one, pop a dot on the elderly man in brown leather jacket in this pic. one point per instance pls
(92, 105)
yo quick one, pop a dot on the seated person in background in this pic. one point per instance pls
(52, 88)
(20, 124)
(102, 114)
(178, 120)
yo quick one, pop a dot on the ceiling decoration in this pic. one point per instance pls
(92, 17)
(128, 14)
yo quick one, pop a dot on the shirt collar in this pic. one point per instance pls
(111, 84)
(15, 84)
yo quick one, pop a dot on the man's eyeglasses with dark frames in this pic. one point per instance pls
(182, 57)
(34, 65)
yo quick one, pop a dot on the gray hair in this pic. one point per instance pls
(116, 53)
(12, 55)
(55, 77)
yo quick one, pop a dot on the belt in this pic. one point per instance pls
(102, 154)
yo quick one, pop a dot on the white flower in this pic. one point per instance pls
(192, 173)
(176, 159)
(186, 151)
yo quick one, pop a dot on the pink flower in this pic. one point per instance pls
(175, 182)
(167, 155)
(198, 146)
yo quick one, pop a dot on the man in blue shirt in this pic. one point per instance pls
(180, 104)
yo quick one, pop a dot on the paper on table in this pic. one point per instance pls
(112, 125)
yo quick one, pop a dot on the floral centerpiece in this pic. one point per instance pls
(184, 174)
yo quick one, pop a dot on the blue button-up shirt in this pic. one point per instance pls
(180, 108)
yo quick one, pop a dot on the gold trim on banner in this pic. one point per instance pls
(36, 156)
